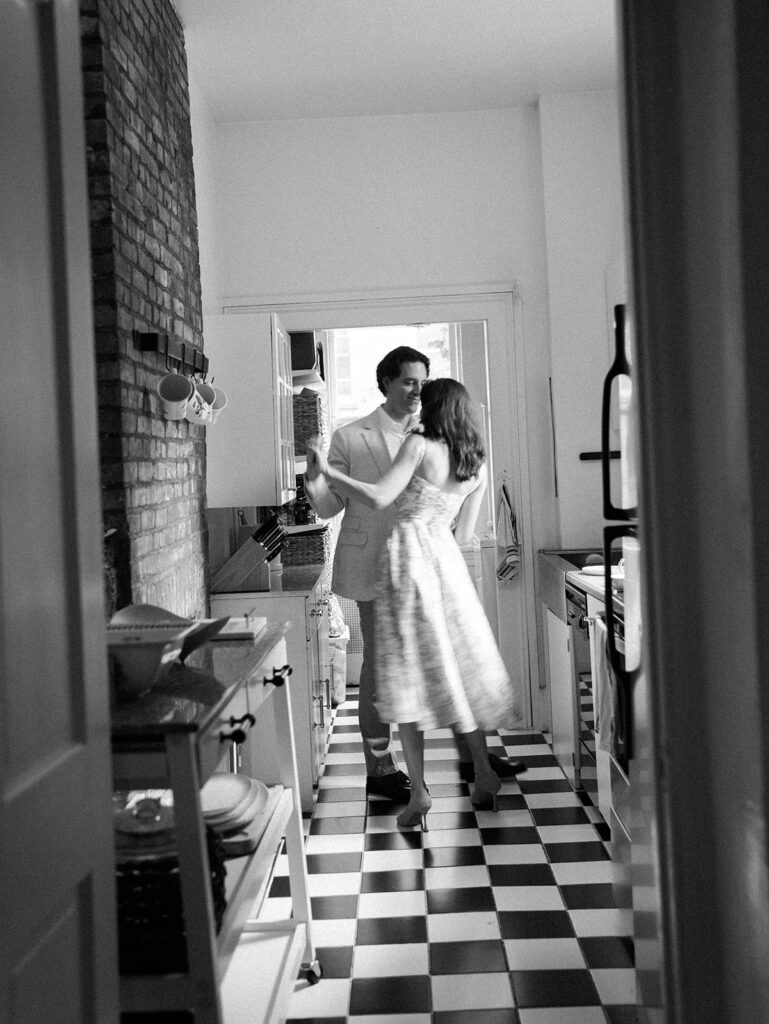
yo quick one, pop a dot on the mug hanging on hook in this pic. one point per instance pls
(199, 408)
(219, 402)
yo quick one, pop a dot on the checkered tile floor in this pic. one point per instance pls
(503, 917)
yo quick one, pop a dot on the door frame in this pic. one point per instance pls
(500, 307)
(696, 80)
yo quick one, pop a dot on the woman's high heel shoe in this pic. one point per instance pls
(487, 785)
(411, 816)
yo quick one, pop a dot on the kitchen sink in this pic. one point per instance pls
(553, 566)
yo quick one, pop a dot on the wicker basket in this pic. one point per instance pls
(309, 419)
(310, 548)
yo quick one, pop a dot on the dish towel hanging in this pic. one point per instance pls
(507, 537)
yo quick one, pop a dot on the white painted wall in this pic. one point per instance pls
(585, 231)
(383, 205)
(375, 203)
(429, 204)
(206, 189)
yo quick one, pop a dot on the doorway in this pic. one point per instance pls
(500, 374)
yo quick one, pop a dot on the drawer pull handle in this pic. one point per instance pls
(279, 675)
(247, 719)
(237, 735)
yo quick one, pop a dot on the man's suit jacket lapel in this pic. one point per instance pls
(376, 441)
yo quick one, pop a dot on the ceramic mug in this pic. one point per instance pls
(175, 390)
(199, 405)
(219, 402)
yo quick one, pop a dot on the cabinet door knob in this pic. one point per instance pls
(247, 719)
(237, 736)
(279, 676)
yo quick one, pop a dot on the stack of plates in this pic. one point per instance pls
(231, 802)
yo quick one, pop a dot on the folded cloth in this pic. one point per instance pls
(507, 538)
(603, 692)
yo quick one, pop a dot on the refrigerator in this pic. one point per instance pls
(633, 764)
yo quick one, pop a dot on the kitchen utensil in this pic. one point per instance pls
(267, 529)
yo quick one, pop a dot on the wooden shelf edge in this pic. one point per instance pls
(254, 871)
(258, 986)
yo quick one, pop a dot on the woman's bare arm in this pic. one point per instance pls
(464, 525)
(384, 492)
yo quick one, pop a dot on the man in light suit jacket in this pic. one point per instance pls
(364, 450)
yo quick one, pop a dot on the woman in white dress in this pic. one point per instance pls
(437, 663)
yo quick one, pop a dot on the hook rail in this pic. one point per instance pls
(189, 358)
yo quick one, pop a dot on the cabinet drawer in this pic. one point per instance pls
(233, 725)
(215, 744)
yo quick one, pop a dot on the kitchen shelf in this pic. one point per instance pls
(167, 739)
(259, 956)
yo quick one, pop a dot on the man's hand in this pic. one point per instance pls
(322, 499)
(316, 458)
(313, 470)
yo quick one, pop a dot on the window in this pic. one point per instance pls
(352, 356)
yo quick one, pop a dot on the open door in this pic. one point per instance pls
(58, 956)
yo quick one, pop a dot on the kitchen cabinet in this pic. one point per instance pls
(300, 597)
(175, 738)
(564, 709)
(250, 447)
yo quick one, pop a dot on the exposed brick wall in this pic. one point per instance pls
(146, 277)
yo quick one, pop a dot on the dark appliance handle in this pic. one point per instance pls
(625, 678)
(620, 367)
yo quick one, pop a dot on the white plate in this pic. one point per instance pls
(243, 816)
(223, 793)
(598, 570)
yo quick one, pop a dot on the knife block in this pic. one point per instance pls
(257, 579)
(248, 569)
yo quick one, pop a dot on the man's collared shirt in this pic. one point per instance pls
(393, 432)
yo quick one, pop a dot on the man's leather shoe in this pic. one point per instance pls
(501, 766)
(394, 786)
(504, 767)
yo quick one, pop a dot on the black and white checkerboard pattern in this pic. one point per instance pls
(505, 918)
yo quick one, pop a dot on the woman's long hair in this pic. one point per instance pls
(448, 415)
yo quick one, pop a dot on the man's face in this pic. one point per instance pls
(402, 393)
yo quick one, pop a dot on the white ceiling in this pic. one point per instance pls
(257, 60)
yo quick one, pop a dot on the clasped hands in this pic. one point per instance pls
(317, 461)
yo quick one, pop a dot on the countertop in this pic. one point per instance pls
(594, 586)
(293, 579)
(190, 694)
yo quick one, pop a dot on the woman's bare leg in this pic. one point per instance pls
(487, 783)
(413, 743)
